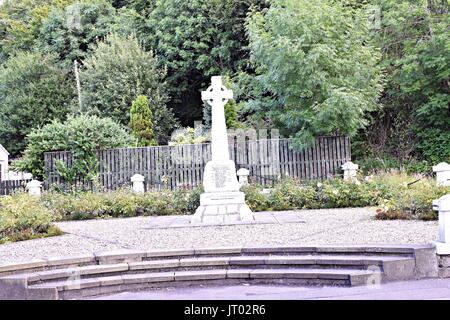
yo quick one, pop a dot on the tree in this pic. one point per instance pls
(141, 122)
(415, 120)
(33, 92)
(316, 72)
(72, 31)
(81, 136)
(196, 40)
(116, 73)
(20, 23)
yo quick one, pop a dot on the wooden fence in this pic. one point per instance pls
(10, 186)
(182, 165)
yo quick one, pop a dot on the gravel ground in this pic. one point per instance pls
(330, 226)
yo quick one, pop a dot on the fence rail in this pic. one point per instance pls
(10, 186)
(182, 165)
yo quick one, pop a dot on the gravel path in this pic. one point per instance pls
(331, 226)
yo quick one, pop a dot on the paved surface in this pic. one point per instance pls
(280, 217)
(331, 226)
(409, 290)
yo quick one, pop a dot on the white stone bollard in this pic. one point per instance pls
(34, 188)
(138, 183)
(443, 206)
(442, 174)
(349, 170)
(243, 176)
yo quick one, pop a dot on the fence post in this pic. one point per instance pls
(442, 174)
(443, 206)
(138, 183)
(34, 188)
(349, 170)
(243, 176)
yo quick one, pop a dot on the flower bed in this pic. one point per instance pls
(397, 196)
(24, 217)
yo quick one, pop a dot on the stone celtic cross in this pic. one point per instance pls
(221, 201)
(217, 97)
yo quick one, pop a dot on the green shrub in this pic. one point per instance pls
(193, 201)
(398, 196)
(255, 199)
(80, 135)
(24, 217)
(120, 203)
(408, 197)
(187, 135)
(141, 122)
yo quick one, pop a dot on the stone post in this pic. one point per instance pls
(443, 206)
(138, 183)
(243, 176)
(34, 188)
(442, 174)
(349, 171)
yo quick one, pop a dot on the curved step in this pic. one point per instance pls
(104, 285)
(136, 256)
(184, 264)
(62, 278)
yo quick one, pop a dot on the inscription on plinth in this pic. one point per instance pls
(221, 176)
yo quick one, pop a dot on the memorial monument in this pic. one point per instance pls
(221, 201)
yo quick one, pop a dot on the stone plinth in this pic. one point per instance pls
(138, 183)
(442, 174)
(34, 188)
(222, 207)
(243, 176)
(350, 170)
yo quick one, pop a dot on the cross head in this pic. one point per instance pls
(217, 94)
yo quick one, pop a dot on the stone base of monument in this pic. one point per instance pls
(222, 202)
(222, 207)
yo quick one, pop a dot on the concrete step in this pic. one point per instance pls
(78, 288)
(138, 256)
(318, 265)
(382, 263)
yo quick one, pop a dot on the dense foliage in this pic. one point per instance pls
(316, 72)
(195, 40)
(116, 73)
(414, 38)
(71, 32)
(81, 136)
(21, 22)
(33, 92)
(305, 67)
